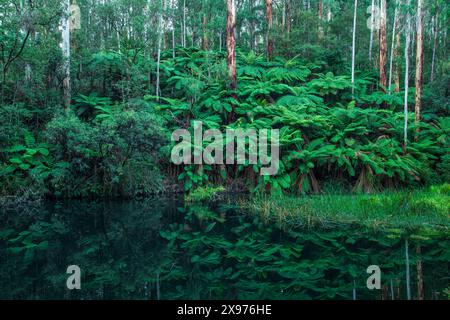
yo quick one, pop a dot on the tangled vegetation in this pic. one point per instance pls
(328, 136)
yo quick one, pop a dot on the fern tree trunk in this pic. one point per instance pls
(419, 64)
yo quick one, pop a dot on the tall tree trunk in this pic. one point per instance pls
(205, 44)
(419, 64)
(383, 45)
(173, 29)
(160, 34)
(376, 58)
(391, 62)
(252, 25)
(231, 48)
(435, 38)
(320, 14)
(354, 46)
(289, 17)
(396, 61)
(372, 28)
(65, 46)
(269, 18)
(184, 23)
(231, 43)
(407, 44)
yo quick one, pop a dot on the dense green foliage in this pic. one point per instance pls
(114, 139)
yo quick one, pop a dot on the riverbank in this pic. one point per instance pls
(418, 209)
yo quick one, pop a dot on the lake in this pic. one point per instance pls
(163, 248)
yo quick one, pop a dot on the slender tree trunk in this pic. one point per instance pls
(396, 60)
(435, 38)
(407, 44)
(173, 29)
(376, 58)
(231, 43)
(252, 25)
(231, 49)
(383, 45)
(354, 46)
(160, 34)
(289, 17)
(65, 45)
(392, 290)
(269, 18)
(372, 28)
(419, 64)
(391, 62)
(320, 14)
(205, 44)
(184, 23)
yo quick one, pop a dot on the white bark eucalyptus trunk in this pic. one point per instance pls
(354, 46)
(435, 38)
(65, 46)
(383, 45)
(391, 62)
(184, 23)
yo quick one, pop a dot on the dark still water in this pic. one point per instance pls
(164, 249)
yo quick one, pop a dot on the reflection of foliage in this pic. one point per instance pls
(244, 259)
(129, 249)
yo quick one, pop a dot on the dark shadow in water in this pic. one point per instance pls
(164, 249)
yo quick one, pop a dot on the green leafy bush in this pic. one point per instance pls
(115, 156)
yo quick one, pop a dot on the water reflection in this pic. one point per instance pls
(164, 249)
